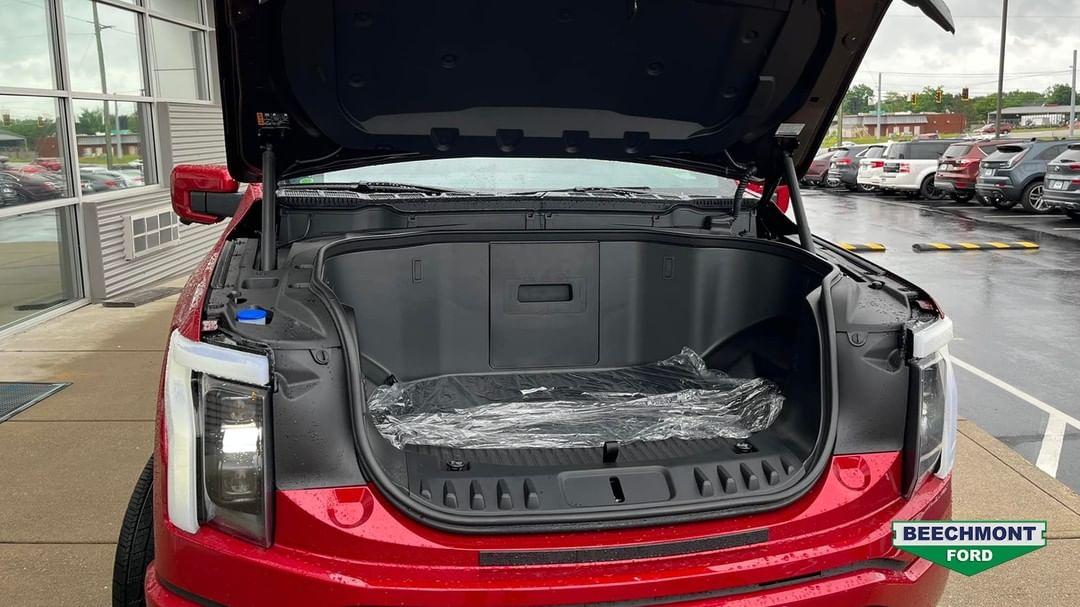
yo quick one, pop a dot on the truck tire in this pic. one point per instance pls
(1002, 203)
(963, 197)
(135, 547)
(1032, 199)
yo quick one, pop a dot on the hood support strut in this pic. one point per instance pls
(268, 234)
(792, 179)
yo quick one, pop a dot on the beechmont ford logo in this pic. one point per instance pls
(969, 547)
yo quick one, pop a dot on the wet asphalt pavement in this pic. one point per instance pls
(1016, 313)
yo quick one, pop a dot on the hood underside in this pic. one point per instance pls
(699, 84)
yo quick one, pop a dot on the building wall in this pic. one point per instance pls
(192, 134)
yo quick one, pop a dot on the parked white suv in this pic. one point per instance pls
(910, 167)
(870, 165)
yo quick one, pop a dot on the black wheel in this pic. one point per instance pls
(962, 196)
(928, 191)
(1032, 199)
(911, 195)
(1073, 215)
(866, 188)
(1003, 203)
(135, 548)
(979, 198)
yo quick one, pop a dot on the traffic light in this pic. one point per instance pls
(914, 98)
(965, 94)
(938, 95)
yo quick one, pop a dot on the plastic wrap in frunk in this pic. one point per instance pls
(674, 398)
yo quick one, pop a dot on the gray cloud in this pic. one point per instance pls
(1041, 36)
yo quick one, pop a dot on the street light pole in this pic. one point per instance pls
(1001, 68)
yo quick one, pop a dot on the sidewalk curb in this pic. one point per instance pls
(1045, 483)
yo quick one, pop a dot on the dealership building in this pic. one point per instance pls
(98, 100)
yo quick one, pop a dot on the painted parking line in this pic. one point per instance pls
(1053, 437)
(1053, 441)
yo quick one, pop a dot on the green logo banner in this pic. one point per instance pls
(969, 547)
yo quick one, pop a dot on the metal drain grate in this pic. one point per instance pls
(16, 396)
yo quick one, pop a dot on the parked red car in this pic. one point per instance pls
(991, 128)
(958, 168)
(818, 172)
(438, 355)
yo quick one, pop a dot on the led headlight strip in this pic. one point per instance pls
(185, 358)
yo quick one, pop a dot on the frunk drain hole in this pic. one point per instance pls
(616, 490)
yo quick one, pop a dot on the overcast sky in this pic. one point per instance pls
(913, 52)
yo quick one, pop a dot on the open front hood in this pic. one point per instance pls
(701, 84)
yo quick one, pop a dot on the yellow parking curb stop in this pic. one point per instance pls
(974, 246)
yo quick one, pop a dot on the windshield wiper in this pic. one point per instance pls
(625, 191)
(369, 187)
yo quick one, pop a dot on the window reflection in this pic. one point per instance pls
(181, 9)
(31, 153)
(26, 58)
(179, 60)
(103, 48)
(109, 137)
(38, 263)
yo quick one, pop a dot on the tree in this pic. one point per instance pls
(90, 122)
(1061, 94)
(857, 99)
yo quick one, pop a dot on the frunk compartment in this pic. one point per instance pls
(450, 331)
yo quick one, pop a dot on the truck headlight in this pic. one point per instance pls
(217, 446)
(235, 457)
(930, 438)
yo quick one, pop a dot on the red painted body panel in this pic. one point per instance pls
(350, 546)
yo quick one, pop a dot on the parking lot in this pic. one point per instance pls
(1017, 312)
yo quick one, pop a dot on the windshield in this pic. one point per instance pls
(876, 151)
(506, 175)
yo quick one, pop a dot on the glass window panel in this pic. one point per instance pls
(179, 61)
(110, 139)
(181, 9)
(38, 263)
(103, 48)
(31, 151)
(26, 56)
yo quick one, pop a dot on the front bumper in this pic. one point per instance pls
(350, 547)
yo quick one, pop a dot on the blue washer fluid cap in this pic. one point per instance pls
(251, 316)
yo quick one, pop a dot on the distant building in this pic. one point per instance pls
(903, 124)
(1034, 115)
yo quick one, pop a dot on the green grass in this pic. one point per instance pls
(102, 160)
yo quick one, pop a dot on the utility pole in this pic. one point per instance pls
(840, 123)
(1001, 68)
(878, 105)
(104, 85)
(1072, 102)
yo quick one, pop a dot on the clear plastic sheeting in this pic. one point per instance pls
(674, 398)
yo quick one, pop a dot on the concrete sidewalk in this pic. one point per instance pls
(68, 464)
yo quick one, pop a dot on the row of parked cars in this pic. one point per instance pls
(44, 179)
(1042, 176)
